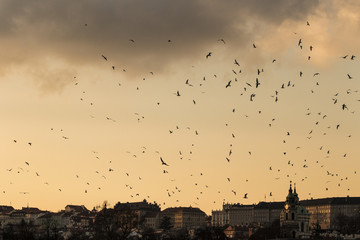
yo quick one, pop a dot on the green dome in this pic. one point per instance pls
(301, 210)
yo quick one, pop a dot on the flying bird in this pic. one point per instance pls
(208, 55)
(104, 57)
(162, 162)
(228, 84)
(257, 83)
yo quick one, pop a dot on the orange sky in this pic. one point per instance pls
(84, 118)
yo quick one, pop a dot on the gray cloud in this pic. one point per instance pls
(40, 30)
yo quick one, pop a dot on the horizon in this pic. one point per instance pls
(208, 214)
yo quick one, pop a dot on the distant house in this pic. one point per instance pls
(76, 208)
(236, 232)
(263, 213)
(324, 211)
(185, 217)
(5, 209)
(152, 220)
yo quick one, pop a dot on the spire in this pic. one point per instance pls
(290, 189)
(294, 187)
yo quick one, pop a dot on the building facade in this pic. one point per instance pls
(325, 211)
(185, 217)
(262, 214)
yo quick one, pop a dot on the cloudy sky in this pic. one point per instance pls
(103, 89)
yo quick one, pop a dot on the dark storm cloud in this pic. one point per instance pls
(39, 30)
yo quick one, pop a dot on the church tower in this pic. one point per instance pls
(294, 218)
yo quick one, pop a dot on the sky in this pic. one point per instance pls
(93, 94)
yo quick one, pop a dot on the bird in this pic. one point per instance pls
(104, 57)
(228, 84)
(349, 76)
(208, 55)
(307, 23)
(236, 63)
(245, 196)
(29, 143)
(254, 46)
(162, 162)
(222, 40)
(257, 83)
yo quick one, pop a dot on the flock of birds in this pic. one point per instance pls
(248, 89)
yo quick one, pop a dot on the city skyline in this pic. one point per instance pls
(189, 103)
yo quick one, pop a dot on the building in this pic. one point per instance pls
(267, 212)
(148, 214)
(263, 213)
(237, 232)
(185, 217)
(324, 211)
(152, 220)
(76, 208)
(294, 218)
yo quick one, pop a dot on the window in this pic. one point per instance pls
(302, 226)
(292, 216)
(287, 217)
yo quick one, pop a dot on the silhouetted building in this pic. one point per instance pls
(324, 211)
(263, 213)
(294, 218)
(184, 217)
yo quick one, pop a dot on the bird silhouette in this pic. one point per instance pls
(228, 84)
(162, 162)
